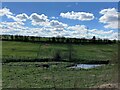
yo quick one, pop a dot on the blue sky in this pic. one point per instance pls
(71, 16)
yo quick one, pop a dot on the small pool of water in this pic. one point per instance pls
(85, 66)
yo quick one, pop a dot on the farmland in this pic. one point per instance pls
(58, 75)
(37, 50)
(29, 76)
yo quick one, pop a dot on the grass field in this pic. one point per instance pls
(27, 75)
(47, 50)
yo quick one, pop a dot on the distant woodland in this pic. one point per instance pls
(93, 40)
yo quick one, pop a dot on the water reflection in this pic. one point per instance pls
(85, 66)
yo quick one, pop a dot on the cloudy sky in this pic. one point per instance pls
(68, 19)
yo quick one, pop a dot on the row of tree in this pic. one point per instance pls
(57, 39)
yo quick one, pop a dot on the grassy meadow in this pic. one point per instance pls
(28, 75)
(57, 76)
(37, 50)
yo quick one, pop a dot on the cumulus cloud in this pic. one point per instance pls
(82, 16)
(109, 17)
(42, 20)
(39, 19)
(12, 17)
(18, 19)
(5, 11)
(11, 27)
(77, 31)
(51, 28)
(78, 28)
(110, 34)
(22, 17)
(81, 31)
(57, 24)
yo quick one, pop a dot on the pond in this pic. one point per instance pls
(85, 66)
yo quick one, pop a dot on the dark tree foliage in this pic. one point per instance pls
(93, 40)
(53, 39)
(57, 56)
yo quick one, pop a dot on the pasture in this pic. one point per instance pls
(27, 75)
(36, 50)
(58, 75)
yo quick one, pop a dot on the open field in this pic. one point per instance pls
(27, 75)
(58, 75)
(35, 50)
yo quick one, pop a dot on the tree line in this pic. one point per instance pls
(93, 40)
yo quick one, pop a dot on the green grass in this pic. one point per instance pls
(15, 76)
(48, 50)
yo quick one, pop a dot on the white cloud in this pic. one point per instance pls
(8, 13)
(11, 27)
(18, 19)
(53, 28)
(5, 11)
(77, 31)
(80, 31)
(114, 36)
(101, 31)
(78, 28)
(82, 16)
(53, 17)
(37, 19)
(111, 34)
(42, 20)
(12, 17)
(110, 18)
(22, 17)
(57, 24)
